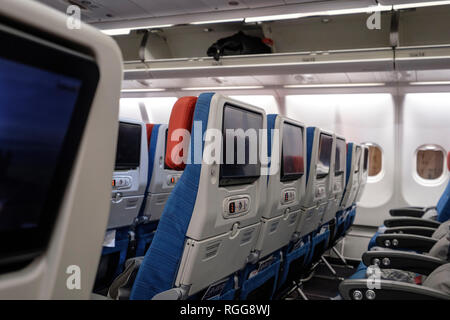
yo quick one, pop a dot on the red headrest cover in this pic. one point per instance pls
(448, 161)
(180, 118)
(149, 128)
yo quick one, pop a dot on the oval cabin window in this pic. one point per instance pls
(375, 159)
(430, 162)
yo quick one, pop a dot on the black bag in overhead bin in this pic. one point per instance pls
(237, 44)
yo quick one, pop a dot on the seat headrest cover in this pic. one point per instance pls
(180, 118)
(149, 128)
(441, 249)
(439, 279)
(448, 161)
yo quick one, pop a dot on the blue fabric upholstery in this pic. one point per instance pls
(228, 292)
(443, 206)
(121, 246)
(349, 165)
(255, 282)
(350, 218)
(291, 256)
(360, 273)
(372, 242)
(316, 240)
(340, 224)
(151, 161)
(144, 236)
(271, 118)
(348, 162)
(160, 265)
(309, 144)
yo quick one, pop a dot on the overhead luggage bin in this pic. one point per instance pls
(362, 60)
(422, 58)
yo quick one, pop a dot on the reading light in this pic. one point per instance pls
(371, 9)
(123, 31)
(143, 90)
(222, 88)
(333, 85)
(429, 83)
(420, 4)
(218, 21)
(116, 32)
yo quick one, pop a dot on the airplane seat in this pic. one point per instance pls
(337, 186)
(128, 189)
(436, 286)
(403, 266)
(337, 178)
(319, 150)
(160, 182)
(286, 141)
(213, 212)
(364, 172)
(417, 220)
(347, 214)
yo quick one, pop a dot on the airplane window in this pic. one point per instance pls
(375, 159)
(430, 162)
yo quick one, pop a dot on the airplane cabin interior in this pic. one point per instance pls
(238, 151)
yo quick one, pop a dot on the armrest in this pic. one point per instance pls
(171, 294)
(358, 289)
(407, 261)
(405, 241)
(415, 212)
(96, 296)
(420, 231)
(410, 222)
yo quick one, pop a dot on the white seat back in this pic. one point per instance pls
(130, 174)
(319, 161)
(163, 179)
(337, 179)
(354, 152)
(285, 184)
(226, 218)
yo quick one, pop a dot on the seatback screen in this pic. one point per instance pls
(341, 148)
(292, 165)
(45, 97)
(324, 158)
(128, 152)
(240, 156)
(366, 159)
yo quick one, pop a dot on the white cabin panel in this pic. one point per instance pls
(426, 121)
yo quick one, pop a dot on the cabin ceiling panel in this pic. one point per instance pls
(123, 8)
(173, 7)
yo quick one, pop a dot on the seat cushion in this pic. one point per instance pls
(439, 279)
(441, 231)
(360, 272)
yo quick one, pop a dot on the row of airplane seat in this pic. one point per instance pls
(408, 257)
(215, 229)
(141, 185)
